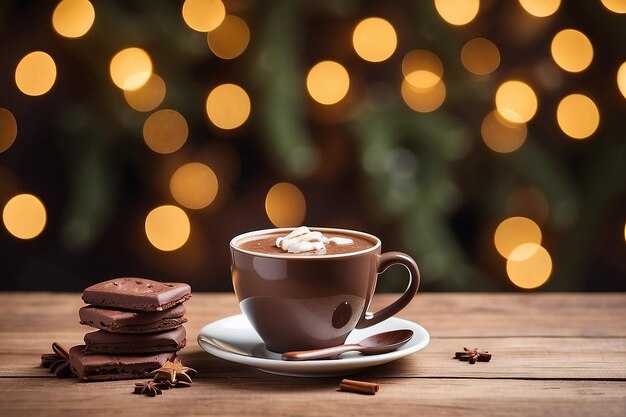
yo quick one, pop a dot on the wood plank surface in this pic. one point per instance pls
(279, 396)
(553, 354)
(539, 358)
(443, 315)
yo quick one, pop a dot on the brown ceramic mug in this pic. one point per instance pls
(310, 301)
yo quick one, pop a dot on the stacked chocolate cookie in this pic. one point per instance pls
(140, 324)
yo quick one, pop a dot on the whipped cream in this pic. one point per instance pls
(304, 240)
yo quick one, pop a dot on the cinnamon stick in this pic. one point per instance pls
(360, 387)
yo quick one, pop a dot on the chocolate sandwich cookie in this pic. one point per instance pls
(125, 321)
(110, 367)
(137, 294)
(115, 343)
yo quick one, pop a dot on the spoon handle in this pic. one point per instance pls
(329, 352)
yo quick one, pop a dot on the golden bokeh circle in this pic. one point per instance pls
(515, 231)
(423, 100)
(571, 50)
(131, 68)
(285, 205)
(229, 39)
(501, 135)
(540, 8)
(621, 79)
(167, 227)
(529, 266)
(73, 18)
(374, 39)
(516, 101)
(616, 6)
(457, 12)
(228, 106)
(328, 82)
(165, 131)
(147, 97)
(194, 185)
(8, 129)
(578, 116)
(480, 56)
(203, 15)
(422, 68)
(24, 216)
(35, 73)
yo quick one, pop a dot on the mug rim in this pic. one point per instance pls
(377, 243)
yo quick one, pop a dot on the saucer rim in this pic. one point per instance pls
(349, 363)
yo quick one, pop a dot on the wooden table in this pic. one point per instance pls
(553, 354)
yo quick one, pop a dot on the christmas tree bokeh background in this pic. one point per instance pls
(484, 138)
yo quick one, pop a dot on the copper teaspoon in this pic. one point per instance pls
(372, 345)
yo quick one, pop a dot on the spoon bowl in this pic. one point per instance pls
(372, 345)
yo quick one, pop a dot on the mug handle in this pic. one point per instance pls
(385, 261)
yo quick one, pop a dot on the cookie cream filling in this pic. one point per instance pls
(304, 240)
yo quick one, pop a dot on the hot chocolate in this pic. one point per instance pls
(309, 288)
(266, 244)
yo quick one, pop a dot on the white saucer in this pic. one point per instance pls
(234, 339)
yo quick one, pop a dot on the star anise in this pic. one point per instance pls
(173, 372)
(473, 355)
(58, 362)
(150, 388)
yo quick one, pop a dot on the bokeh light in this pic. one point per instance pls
(501, 135)
(578, 116)
(540, 8)
(423, 100)
(515, 231)
(203, 15)
(517, 88)
(328, 82)
(457, 12)
(194, 185)
(24, 216)
(73, 18)
(165, 131)
(229, 39)
(167, 227)
(571, 50)
(35, 74)
(422, 68)
(131, 68)
(374, 39)
(285, 205)
(480, 56)
(147, 97)
(516, 101)
(529, 266)
(616, 6)
(228, 106)
(621, 79)
(8, 129)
